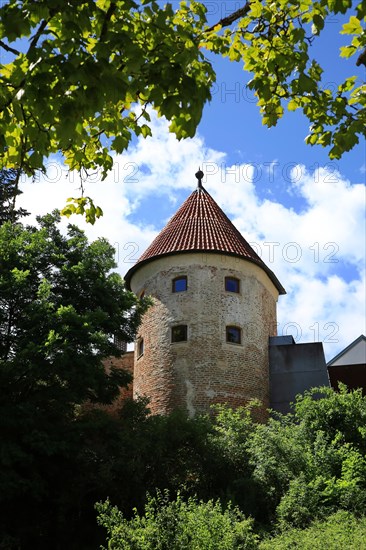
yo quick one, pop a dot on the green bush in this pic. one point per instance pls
(321, 495)
(178, 524)
(341, 530)
(311, 464)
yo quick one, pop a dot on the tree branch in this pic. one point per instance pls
(8, 48)
(40, 30)
(32, 45)
(108, 15)
(229, 20)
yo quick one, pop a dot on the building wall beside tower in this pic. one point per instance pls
(205, 369)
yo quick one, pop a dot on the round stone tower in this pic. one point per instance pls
(205, 339)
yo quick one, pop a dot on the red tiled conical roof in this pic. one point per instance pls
(201, 226)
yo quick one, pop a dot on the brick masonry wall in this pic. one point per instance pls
(124, 362)
(205, 369)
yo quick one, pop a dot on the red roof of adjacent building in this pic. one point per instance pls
(201, 226)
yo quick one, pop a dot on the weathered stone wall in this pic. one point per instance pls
(206, 369)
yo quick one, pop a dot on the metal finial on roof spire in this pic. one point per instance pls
(199, 176)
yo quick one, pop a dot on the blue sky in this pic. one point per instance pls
(303, 213)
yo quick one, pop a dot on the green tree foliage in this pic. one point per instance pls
(287, 472)
(340, 530)
(283, 474)
(197, 525)
(313, 463)
(337, 414)
(87, 66)
(228, 473)
(59, 307)
(136, 453)
(8, 194)
(91, 68)
(274, 41)
(178, 524)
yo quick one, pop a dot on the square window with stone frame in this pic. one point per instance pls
(179, 333)
(179, 284)
(233, 335)
(232, 284)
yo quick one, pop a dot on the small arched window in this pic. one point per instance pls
(179, 284)
(232, 284)
(233, 335)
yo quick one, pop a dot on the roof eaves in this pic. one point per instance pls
(260, 264)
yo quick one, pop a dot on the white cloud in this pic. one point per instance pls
(307, 249)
